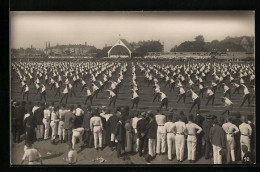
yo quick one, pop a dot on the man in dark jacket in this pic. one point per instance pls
(38, 114)
(86, 125)
(120, 136)
(17, 118)
(199, 121)
(206, 125)
(69, 124)
(30, 125)
(218, 140)
(112, 121)
(237, 121)
(252, 125)
(141, 126)
(151, 133)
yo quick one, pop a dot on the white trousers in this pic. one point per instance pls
(76, 135)
(171, 145)
(244, 140)
(161, 137)
(179, 145)
(230, 148)
(97, 132)
(61, 130)
(137, 140)
(151, 147)
(39, 131)
(54, 129)
(191, 144)
(47, 128)
(216, 155)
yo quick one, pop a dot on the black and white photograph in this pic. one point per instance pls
(132, 87)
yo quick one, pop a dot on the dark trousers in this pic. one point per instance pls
(237, 147)
(135, 102)
(27, 95)
(195, 102)
(16, 132)
(52, 85)
(246, 97)
(37, 91)
(57, 91)
(182, 96)
(43, 95)
(120, 146)
(68, 136)
(214, 88)
(156, 95)
(112, 100)
(66, 95)
(208, 149)
(229, 93)
(88, 98)
(72, 92)
(212, 97)
(164, 103)
(199, 145)
(143, 145)
(88, 138)
(201, 92)
(172, 86)
(236, 90)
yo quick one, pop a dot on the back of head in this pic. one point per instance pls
(71, 107)
(215, 121)
(169, 118)
(190, 118)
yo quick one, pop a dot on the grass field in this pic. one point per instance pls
(124, 99)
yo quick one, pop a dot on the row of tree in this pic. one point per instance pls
(199, 45)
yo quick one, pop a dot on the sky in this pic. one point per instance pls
(105, 28)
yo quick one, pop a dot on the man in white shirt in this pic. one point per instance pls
(164, 100)
(95, 90)
(246, 96)
(46, 121)
(161, 132)
(96, 127)
(57, 89)
(135, 119)
(181, 94)
(170, 136)
(211, 96)
(66, 94)
(246, 132)
(77, 133)
(228, 105)
(180, 129)
(54, 124)
(71, 90)
(26, 92)
(43, 93)
(135, 99)
(33, 155)
(112, 97)
(89, 96)
(196, 100)
(236, 88)
(230, 130)
(192, 131)
(226, 90)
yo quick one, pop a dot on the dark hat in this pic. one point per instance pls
(215, 121)
(236, 114)
(209, 116)
(181, 113)
(250, 117)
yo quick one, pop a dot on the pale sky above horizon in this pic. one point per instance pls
(100, 28)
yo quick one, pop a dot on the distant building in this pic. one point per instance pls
(121, 49)
(71, 49)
